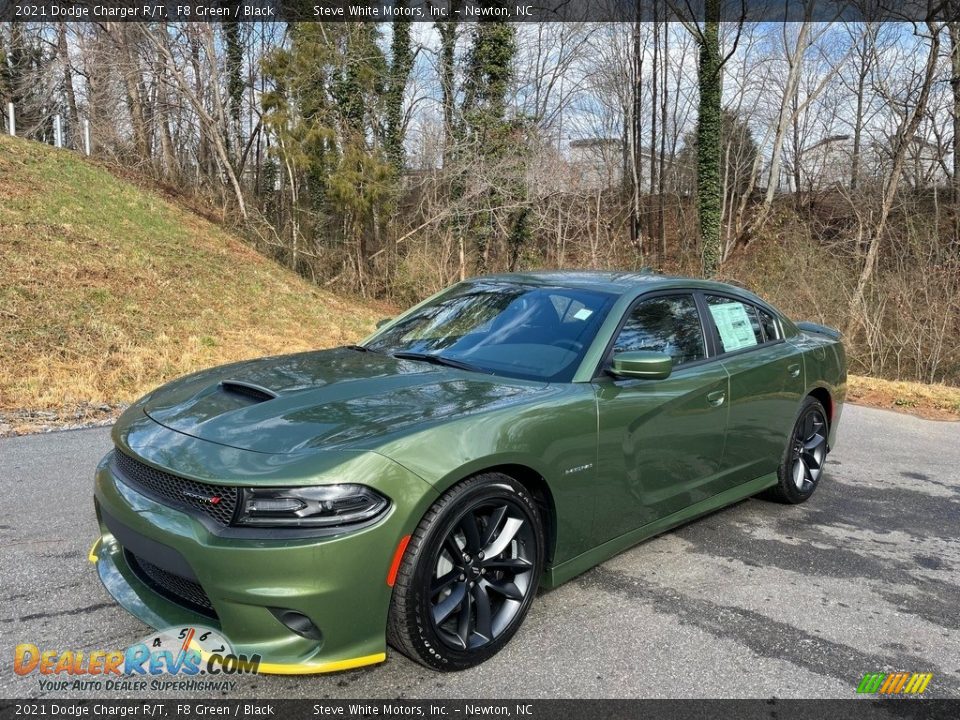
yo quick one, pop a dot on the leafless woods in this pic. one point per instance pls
(391, 160)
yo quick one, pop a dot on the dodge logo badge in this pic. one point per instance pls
(211, 499)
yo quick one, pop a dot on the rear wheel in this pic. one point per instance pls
(469, 574)
(804, 457)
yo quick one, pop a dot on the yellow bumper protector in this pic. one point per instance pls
(92, 555)
(335, 666)
(306, 668)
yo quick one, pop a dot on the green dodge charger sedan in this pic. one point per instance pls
(416, 489)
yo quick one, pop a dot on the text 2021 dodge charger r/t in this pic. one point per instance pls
(508, 433)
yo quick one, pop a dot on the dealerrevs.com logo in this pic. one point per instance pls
(172, 659)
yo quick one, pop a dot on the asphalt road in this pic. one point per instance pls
(757, 600)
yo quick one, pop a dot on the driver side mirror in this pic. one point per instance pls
(642, 364)
(382, 322)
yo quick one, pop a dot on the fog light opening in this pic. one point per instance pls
(298, 623)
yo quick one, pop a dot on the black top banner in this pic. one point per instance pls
(476, 10)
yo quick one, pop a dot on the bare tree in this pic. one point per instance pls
(214, 125)
(913, 113)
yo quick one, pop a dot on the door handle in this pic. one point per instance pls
(794, 370)
(716, 398)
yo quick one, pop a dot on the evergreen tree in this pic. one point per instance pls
(485, 137)
(739, 151)
(325, 110)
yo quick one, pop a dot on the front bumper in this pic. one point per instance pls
(339, 583)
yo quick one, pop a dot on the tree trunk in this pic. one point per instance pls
(710, 83)
(219, 103)
(661, 175)
(64, 52)
(797, 149)
(401, 62)
(743, 226)
(652, 232)
(954, 29)
(208, 124)
(636, 139)
(862, 72)
(794, 64)
(130, 69)
(448, 45)
(170, 167)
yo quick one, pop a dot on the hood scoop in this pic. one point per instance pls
(248, 390)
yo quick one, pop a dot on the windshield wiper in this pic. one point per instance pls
(361, 348)
(440, 360)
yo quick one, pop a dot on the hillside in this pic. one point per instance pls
(107, 289)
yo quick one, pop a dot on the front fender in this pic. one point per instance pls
(556, 438)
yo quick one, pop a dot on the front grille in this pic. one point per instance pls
(180, 491)
(173, 587)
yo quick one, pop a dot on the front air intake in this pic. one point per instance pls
(173, 587)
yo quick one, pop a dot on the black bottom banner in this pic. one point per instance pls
(857, 709)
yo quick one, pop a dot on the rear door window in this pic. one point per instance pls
(738, 325)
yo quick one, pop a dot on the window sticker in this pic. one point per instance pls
(734, 326)
(582, 314)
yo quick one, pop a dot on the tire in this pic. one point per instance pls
(461, 593)
(801, 467)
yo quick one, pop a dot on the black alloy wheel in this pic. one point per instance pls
(483, 571)
(805, 456)
(469, 574)
(809, 450)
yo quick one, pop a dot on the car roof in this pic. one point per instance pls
(615, 282)
(608, 281)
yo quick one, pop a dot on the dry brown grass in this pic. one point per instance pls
(107, 289)
(934, 402)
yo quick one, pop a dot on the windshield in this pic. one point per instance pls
(522, 331)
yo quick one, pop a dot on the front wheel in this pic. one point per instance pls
(804, 457)
(469, 574)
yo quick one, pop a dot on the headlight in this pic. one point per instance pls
(319, 506)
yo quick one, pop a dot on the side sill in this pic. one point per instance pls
(571, 568)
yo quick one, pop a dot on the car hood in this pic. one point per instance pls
(332, 399)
